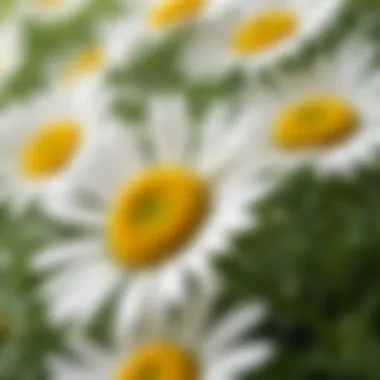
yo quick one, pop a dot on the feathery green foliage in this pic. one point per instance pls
(28, 340)
(315, 254)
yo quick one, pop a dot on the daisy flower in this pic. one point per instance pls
(86, 66)
(255, 34)
(184, 347)
(327, 115)
(49, 11)
(42, 142)
(162, 204)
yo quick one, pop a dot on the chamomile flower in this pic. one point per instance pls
(49, 11)
(162, 204)
(87, 66)
(42, 141)
(184, 347)
(327, 115)
(256, 34)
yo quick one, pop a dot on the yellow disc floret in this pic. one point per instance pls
(50, 149)
(155, 215)
(319, 121)
(159, 361)
(263, 31)
(169, 13)
(85, 62)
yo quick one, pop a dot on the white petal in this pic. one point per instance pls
(62, 209)
(202, 269)
(82, 249)
(196, 316)
(233, 152)
(171, 282)
(198, 63)
(169, 127)
(212, 132)
(136, 304)
(237, 362)
(86, 292)
(12, 49)
(113, 159)
(232, 328)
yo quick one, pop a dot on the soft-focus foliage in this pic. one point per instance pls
(315, 254)
(28, 339)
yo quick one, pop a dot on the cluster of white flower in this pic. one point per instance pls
(169, 196)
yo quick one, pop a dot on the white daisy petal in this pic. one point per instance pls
(232, 328)
(12, 49)
(104, 173)
(238, 362)
(66, 253)
(196, 314)
(171, 282)
(168, 125)
(133, 302)
(87, 293)
(232, 150)
(62, 210)
(212, 133)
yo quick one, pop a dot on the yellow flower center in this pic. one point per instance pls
(86, 62)
(50, 149)
(49, 3)
(159, 361)
(172, 12)
(155, 214)
(319, 121)
(263, 31)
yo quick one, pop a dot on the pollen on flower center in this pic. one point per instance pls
(263, 31)
(155, 215)
(85, 62)
(171, 12)
(50, 149)
(159, 361)
(319, 121)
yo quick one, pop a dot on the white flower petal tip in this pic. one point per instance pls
(245, 360)
(234, 326)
